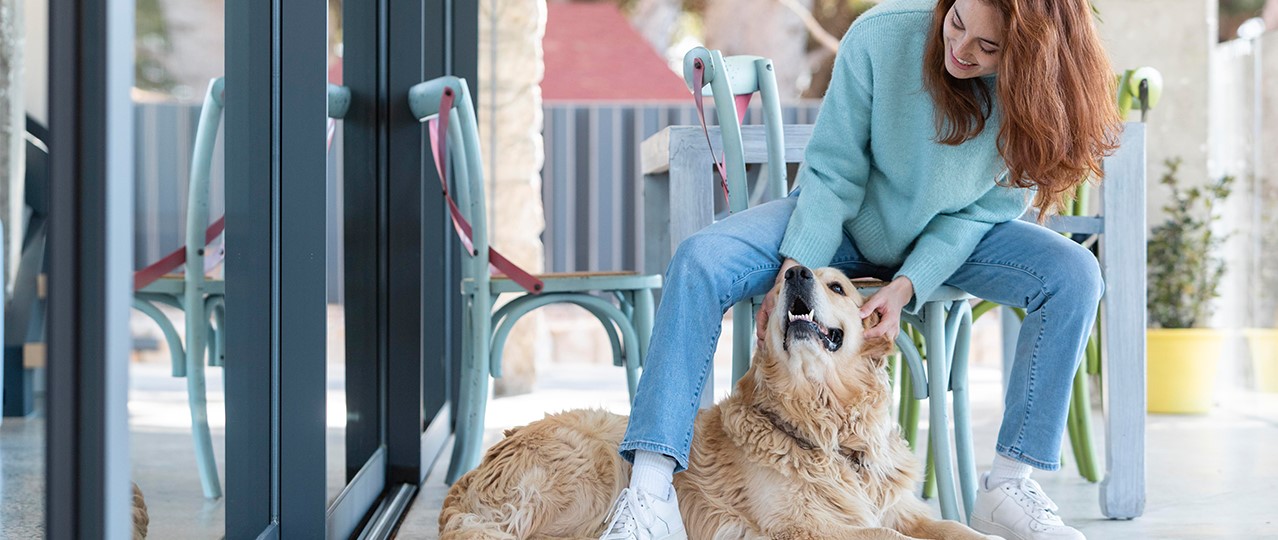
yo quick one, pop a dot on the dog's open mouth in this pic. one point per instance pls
(801, 324)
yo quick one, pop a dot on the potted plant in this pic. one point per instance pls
(1263, 337)
(1185, 271)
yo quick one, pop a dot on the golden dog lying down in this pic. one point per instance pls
(804, 448)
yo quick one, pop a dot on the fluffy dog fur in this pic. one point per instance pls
(804, 448)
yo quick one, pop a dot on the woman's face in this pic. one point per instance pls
(973, 32)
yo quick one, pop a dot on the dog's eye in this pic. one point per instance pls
(837, 288)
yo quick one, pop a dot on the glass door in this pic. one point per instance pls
(356, 375)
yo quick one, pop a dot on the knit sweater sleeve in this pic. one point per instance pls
(950, 238)
(836, 161)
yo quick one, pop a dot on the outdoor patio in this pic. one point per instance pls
(1209, 477)
(346, 374)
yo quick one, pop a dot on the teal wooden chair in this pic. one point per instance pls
(1138, 90)
(730, 81)
(1078, 424)
(622, 302)
(200, 297)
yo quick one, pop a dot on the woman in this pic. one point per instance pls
(944, 121)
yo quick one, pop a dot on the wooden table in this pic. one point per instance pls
(680, 186)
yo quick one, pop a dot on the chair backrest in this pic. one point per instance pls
(724, 78)
(197, 195)
(200, 234)
(465, 168)
(197, 201)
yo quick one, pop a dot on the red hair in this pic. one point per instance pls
(1055, 88)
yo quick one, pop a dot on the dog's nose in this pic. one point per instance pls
(798, 274)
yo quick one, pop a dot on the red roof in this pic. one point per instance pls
(592, 53)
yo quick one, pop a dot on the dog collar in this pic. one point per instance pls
(855, 458)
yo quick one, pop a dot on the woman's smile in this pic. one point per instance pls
(960, 63)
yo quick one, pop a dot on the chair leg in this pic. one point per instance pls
(473, 393)
(938, 425)
(460, 427)
(742, 338)
(195, 393)
(962, 414)
(643, 318)
(1080, 410)
(217, 336)
(929, 472)
(909, 415)
(1071, 431)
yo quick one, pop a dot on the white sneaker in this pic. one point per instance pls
(638, 515)
(1019, 510)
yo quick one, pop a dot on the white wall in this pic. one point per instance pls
(1174, 36)
(36, 74)
(196, 30)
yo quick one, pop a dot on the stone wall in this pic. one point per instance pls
(12, 125)
(510, 120)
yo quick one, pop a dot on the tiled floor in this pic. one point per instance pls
(163, 458)
(1212, 476)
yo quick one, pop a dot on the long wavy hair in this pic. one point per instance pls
(1055, 88)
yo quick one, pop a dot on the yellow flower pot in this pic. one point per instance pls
(1181, 369)
(1263, 343)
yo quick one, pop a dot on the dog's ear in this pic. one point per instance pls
(876, 348)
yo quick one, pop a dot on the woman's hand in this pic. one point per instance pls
(769, 301)
(888, 302)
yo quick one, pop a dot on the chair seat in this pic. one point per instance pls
(175, 285)
(574, 282)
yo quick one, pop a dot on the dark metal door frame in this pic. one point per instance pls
(90, 269)
(275, 272)
(275, 289)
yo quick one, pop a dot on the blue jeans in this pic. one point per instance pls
(1055, 280)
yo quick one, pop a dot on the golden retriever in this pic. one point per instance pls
(804, 448)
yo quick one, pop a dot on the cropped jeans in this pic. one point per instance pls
(1020, 264)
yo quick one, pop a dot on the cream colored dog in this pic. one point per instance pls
(804, 448)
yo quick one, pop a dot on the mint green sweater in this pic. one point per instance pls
(874, 167)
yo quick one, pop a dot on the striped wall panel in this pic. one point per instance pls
(591, 185)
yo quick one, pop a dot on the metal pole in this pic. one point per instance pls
(1252, 30)
(1257, 120)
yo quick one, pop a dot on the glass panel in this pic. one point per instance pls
(178, 156)
(354, 422)
(24, 168)
(337, 380)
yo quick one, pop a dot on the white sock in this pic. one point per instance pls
(1006, 469)
(653, 473)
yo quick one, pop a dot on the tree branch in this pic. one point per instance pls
(824, 38)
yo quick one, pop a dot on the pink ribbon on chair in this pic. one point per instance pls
(177, 257)
(742, 102)
(172, 261)
(498, 264)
